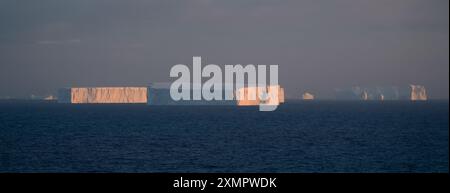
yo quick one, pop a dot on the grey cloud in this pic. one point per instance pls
(319, 44)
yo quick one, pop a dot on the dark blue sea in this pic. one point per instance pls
(320, 136)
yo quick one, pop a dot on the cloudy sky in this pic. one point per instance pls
(318, 44)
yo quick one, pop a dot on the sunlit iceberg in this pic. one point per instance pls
(103, 95)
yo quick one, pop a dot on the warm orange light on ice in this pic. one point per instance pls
(109, 95)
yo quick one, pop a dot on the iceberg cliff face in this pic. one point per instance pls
(250, 96)
(411, 92)
(418, 93)
(103, 95)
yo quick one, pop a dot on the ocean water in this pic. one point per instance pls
(320, 136)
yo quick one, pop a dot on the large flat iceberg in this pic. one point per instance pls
(103, 95)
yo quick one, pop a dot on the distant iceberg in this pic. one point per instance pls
(410, 92)
(275, 95)
(418, 93)
(307, 96)
(103, 95)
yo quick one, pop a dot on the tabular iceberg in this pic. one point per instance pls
(103, 95)
(245, 94)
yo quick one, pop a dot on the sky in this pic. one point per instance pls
(319, 45)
